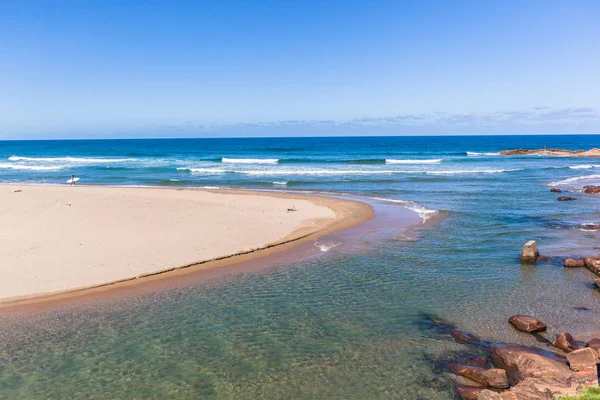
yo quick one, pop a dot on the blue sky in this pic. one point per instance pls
(278, 68)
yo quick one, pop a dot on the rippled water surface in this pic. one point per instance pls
(349, 323)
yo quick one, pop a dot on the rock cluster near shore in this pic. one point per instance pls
(552, 152)
(525, 373)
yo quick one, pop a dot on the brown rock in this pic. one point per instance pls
(530, 252)
(591, 225)
(566, 198)
(527, 324)
(487, 394)
(572, 263)
(597, 282)
(556, 190)
(593, 343)
(468, 392)
(593, 264)
(582, 359)
(543, 259)
(591, 189)
(493, 377)
(477, 361)
(522, 362)
(565, 342)
(463, 337)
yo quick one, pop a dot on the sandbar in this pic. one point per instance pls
(57, 239)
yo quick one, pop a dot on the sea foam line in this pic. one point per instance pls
(476, 154)
(424, 212)
(574, 179)
(584, 166)
(250, 160)
(31, 167)
(396, 161)
(71, 159)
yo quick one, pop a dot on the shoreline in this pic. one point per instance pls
(347, 214)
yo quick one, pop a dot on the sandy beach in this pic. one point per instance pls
(59, 238)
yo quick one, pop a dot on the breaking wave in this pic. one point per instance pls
(574, 179)
(424, 212)
(250, 160)
(31, 167)
(394, 161)
(584, 166)
(476, 154)
(84, 160)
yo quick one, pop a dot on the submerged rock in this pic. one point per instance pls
(493, 377)
(591, 189)
(566, 198)
(527, 324)
(530, 252)
(566, 342)
(556, 190)
(582, 359)
(573, 263)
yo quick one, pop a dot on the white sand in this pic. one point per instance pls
(62, 238)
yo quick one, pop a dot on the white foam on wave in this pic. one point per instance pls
(250, 160)
(424, 212)
(395, 161)
(370, 172)
(584, 166)
(325, 247)
(210, 171)
(85, 160)
(31, 167)
(574, 179)
(476, 154)
(282, 183)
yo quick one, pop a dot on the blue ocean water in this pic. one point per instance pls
(347, 324)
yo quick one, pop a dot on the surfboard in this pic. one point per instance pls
(71, 180)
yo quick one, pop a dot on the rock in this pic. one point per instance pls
(556, 190)
(593, 343)
(493, 377)
(565, 342)
(566, 198)
(552, 152)
(593, 264)
(487, 394)
(463, 337)
(530, 251)
(543, 259)
(589, 225)
(527, 324)
(572, 263)
(591, 189)
(468, 392)
(522, 362)
(597, 282)
(477, 361)
(582, 359)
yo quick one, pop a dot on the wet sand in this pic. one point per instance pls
(60, 240)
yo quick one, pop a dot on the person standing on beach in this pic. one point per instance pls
(72, 180)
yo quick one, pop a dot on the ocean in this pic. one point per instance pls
(349, 323)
